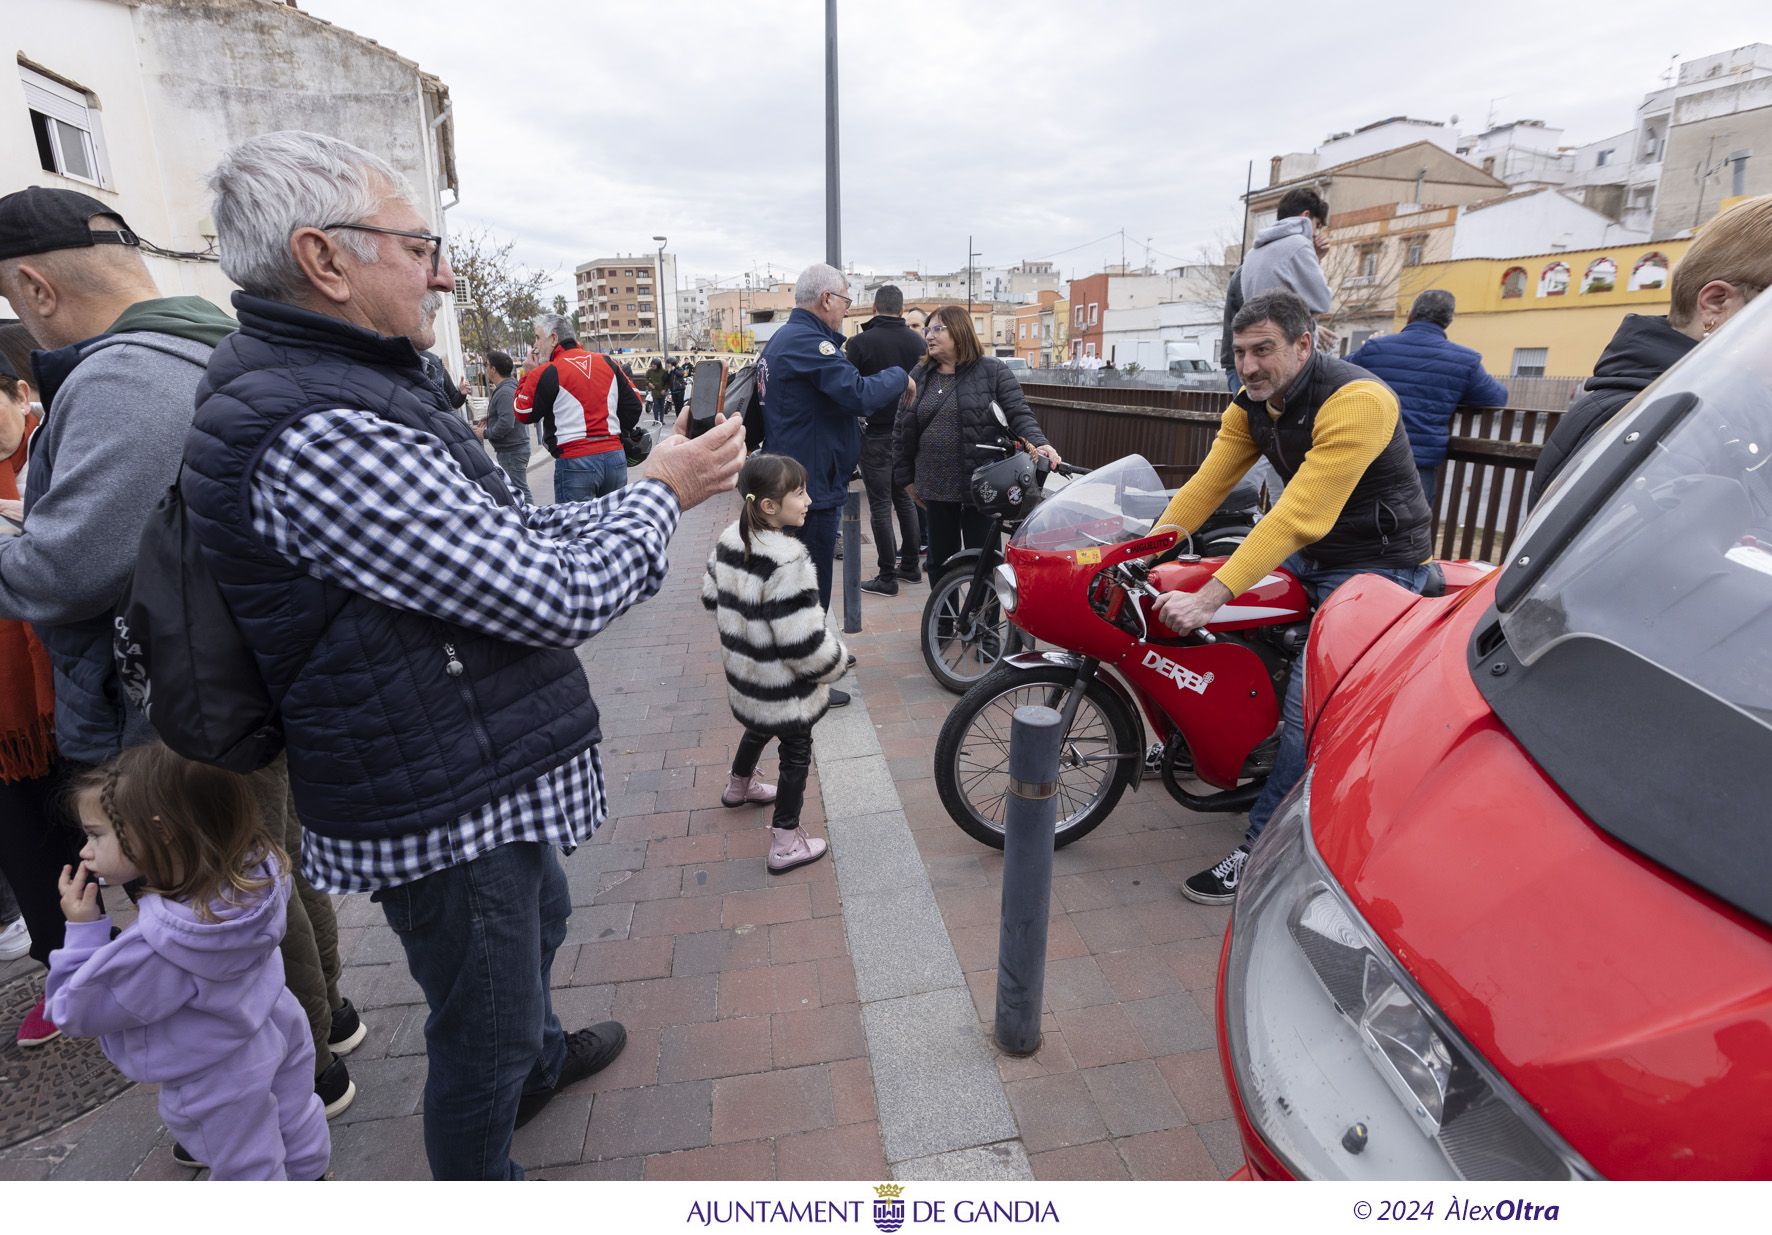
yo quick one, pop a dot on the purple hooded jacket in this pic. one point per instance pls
(173, 995)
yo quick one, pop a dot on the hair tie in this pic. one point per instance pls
(750, 497)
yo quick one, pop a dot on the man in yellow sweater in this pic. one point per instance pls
(1352, 505)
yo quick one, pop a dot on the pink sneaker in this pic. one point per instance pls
(791, 847)
(743, 790)
(37, 1028)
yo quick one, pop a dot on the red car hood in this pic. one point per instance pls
(1631, 1009)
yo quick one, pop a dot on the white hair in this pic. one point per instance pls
(269, 186)
(552, 323)
(815, 281)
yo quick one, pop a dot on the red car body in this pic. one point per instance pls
(1629, 1008)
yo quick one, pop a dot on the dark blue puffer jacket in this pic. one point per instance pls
(383, 741)
(1431, 376)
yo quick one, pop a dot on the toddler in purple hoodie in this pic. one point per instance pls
(191, 996)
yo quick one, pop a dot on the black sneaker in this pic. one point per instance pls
(336, 1089)
(839, 698)
(183, 1157)
(588, 1051)
(348, 1029)
(850, 663)
(884, 585)
(909, 573)
(1218, 886)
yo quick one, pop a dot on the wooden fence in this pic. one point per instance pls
(1483, 483)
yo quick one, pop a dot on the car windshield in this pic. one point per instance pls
(1674, 564)
(1114, 503)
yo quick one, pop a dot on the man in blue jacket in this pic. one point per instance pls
(1432, 376)
(814, 401)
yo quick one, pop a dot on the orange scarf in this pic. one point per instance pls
(27, 698)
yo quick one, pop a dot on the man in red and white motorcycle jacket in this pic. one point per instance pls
(583, 404)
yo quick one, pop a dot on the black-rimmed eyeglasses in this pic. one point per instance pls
(436, 241)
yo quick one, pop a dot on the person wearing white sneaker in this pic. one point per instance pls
(780, 656)
(15, 940)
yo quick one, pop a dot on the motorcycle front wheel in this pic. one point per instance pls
(958, 653)
(1095, 760)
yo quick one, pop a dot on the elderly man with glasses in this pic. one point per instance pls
(814, 402)
(414, 619)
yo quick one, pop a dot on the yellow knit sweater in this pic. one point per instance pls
(1352, 428)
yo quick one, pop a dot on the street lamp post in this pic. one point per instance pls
(664, 341)
(970, 254)
(833, 214)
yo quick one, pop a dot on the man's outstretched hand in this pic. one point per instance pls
(696, 470)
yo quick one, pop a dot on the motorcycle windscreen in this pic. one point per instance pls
(1112, 504)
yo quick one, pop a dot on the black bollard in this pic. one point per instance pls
(1032, 812)
(851, 562)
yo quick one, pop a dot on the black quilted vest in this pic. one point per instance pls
(1386, 521)
(383, 740)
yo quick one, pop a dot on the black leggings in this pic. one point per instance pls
(796, 762)
(953, 526)
(38, 836)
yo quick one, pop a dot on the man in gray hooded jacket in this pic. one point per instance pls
(119, 390)
(1286, 256)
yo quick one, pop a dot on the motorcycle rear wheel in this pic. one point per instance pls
(1095, 763)
(954, 659)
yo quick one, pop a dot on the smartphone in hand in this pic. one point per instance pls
(707, 397)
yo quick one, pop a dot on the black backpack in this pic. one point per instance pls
(181, 656)
(744, 397)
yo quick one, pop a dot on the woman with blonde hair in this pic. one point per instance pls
(1728, 265)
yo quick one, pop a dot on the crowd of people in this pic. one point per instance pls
(412, 611)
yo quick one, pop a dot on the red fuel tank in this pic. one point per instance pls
(1278, 600)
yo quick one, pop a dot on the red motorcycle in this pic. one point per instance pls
(1079, 575)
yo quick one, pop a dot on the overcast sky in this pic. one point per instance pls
(583, 130)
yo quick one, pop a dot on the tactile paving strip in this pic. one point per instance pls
(46, 1086)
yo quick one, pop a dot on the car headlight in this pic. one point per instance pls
(1003, 580)
(1345, 1068)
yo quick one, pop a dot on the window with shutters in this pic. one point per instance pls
(65, 125)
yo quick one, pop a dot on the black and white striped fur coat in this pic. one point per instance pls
(780, 656)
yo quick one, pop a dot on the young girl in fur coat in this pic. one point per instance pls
(780, 656)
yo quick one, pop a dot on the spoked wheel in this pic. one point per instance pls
(1095, 761)
(958, 652)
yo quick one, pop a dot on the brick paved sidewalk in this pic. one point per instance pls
(756, 1051)
(1126, 1083)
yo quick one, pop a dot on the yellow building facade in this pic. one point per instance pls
(1547, 314)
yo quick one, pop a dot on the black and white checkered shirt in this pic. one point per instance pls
(383, 511)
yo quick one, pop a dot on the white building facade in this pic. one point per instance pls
(135, 103)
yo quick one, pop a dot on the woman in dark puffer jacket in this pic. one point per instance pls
(937, 437)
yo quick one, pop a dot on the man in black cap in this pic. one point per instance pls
(119, 390)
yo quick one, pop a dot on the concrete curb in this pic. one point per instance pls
(943, 1112)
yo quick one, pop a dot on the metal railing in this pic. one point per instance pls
(1482, 492)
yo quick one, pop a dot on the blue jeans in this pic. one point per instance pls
(515, 461)
(589, 476)
(1232, 382)
(819, 535)
(480, 940)
(1319, 581)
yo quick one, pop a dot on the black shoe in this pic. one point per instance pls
(348, 1029)
(839, 698)
(850, 663)
(588, 1051)
(839, 553)
(336, 1089)
(884, 585)
(183, 1157)
(1218, 886)
(908, 572)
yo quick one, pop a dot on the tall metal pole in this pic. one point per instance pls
(1035, 734)
(833, 197)
(968, 276)
(664, 338)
